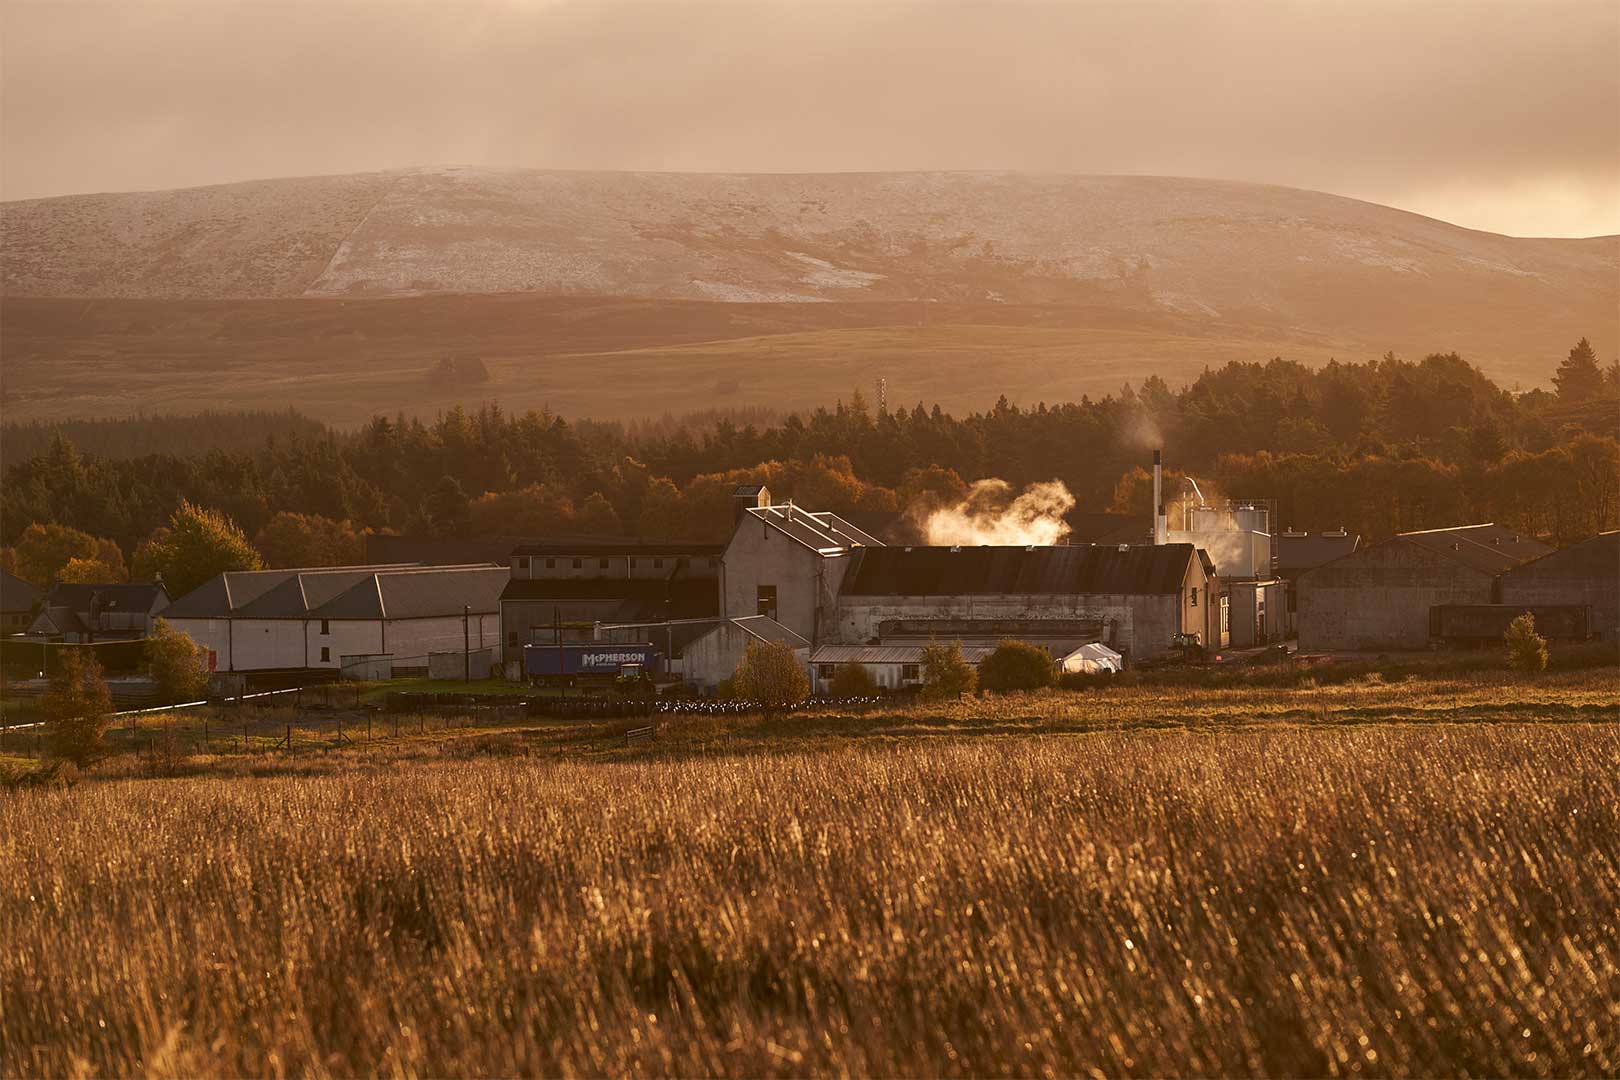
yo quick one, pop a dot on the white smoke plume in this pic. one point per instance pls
(991, 514)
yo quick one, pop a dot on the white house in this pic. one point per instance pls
(269, 620)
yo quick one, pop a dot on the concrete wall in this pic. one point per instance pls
(715, 656)
(806, 582)
(456, 664)
(1246, 603)
(1587, 573)
(267, 644)
(1379, 597)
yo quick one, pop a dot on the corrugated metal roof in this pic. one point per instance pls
(768, 629)
(1018, 571)
(420, 593)
(1596, 556)
(820, 531)
(888, 654)
(1487, 547)
(1301, 551)
(233, 591)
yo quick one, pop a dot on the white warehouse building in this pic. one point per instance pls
(282, 620)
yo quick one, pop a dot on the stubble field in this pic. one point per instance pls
(1377, 898)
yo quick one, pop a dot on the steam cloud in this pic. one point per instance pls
(991, 514)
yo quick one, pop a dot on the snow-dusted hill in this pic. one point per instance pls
(1215, 249)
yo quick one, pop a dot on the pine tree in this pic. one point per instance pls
(1579, 378)
(1526, 649)
(946, 672)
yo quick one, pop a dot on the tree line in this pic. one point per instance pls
(1376, 447)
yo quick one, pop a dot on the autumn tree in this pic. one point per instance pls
(597, 516)
(77, 707)
(536, 510)
(293, 540)
(946, 673)
(1578, 377)
(770, 675)
(43, 552)
(196, 545)
(176, 663)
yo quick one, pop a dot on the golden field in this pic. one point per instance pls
(1427, 886)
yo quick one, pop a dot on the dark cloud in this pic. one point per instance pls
(1498, 115)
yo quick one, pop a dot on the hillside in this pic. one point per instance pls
(318, 270)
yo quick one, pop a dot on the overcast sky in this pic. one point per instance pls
(1500, 116)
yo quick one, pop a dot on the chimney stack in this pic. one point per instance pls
(1160, 522)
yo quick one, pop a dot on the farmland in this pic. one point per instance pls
(1415, 877)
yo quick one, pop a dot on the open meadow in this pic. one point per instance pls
(1410, 878)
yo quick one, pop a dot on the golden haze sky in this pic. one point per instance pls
(1495, 115)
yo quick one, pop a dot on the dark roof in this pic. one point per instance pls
(136, 596)
(1086, 527)
(1017, 571)
(419, 593)
(301, 592)
(612, 547)
(17, 594)
(1298, 552)
(1595, 557)
(640, 598)
(58, 620)
(1488, 547)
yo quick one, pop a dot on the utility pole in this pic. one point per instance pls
(466, 644)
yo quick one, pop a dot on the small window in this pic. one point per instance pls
(523, 562)
(601, 564)
(658, 564)
(551, 564)
(826, 671)
(326, 627)
(765, 600)
(1195, 596)
(911, 672)
(579, 564)
(326, 655)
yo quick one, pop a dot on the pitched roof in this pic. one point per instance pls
(1488, 547)
(1018, 571)
(133, 596)
(233, 591)
(821, 531)
(1595, 557)
(1297, 552)
(888, 654)
(58, 620)
(418, 593)
(17, 594)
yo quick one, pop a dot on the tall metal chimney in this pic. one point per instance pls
(1160, 522)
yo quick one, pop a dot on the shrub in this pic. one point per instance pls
(1017, 665)
(176, 663)
(853, 680)
(76, 708)
(946, 672)
(770, 675)
(1526, 649)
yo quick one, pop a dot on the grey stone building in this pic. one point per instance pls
(1586, 573)
(1380, 597)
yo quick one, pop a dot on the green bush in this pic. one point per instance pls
(852, 680)
(1526, 649)
(1017, 665)
(946, 672)
(176, 663)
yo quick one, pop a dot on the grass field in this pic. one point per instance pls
(1419, 877)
